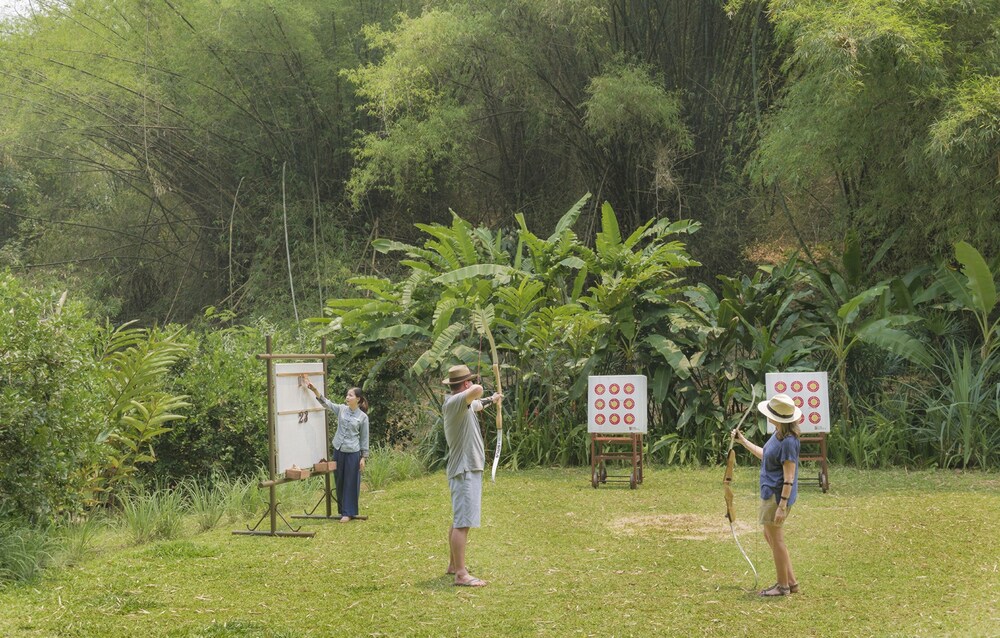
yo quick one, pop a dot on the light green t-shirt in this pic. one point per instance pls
(461, 430)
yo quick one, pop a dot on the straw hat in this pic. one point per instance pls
(457, 374)
(780, 408)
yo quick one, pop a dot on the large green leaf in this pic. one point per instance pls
(671, 352)
(848, 312)
(475, 271)
(567, 220)
(881, 333)
(981, 284)
(433, 355)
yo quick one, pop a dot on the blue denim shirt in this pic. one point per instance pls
(776, 452)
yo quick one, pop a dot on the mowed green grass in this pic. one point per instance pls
(882, 554)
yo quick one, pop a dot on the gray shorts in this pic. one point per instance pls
(466, 498)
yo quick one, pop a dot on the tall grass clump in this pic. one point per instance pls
(243, 498)
(207, 503)
(78, 540)
(961, 407)
(386, 465)
(25, 552)
(153, 515)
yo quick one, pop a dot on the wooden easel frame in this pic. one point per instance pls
(598, 456)
(272, 455)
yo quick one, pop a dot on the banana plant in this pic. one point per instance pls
(852, 314)
(972, 286)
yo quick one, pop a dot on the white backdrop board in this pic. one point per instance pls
(616, 404)
(809, 391)
(299, 420)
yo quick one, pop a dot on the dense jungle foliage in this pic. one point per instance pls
(774, 185)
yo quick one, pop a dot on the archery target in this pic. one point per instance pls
(809, 391)
(300, 435)
(616, 404)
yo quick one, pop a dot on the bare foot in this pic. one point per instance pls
(345, 519)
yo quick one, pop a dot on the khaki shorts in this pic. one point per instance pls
(466, 498)
(765, 516)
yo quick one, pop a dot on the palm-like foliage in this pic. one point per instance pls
(135, 364)
(558, 310)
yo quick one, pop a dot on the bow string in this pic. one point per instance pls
(727, 485)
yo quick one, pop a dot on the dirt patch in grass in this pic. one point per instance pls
(692, 527)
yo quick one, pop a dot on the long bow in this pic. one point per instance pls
(727, 485)
(484, 317)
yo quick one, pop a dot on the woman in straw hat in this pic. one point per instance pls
(466, 460)
(779, 484)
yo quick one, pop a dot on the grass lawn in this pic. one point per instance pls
(882, 554)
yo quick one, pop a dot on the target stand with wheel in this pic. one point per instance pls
(616, 422)
(809, 391)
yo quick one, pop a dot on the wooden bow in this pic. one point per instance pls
(483, 317)
(727, 485)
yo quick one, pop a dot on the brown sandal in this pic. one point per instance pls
(775, 590)
(793, 588)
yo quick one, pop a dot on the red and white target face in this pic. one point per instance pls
(617, 403)
(808, 391)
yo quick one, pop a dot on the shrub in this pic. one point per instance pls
(226, 426)
(49, 403)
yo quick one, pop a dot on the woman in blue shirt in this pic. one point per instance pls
(779, 471)
(350, 448)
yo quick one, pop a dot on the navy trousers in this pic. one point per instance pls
(347, 477)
